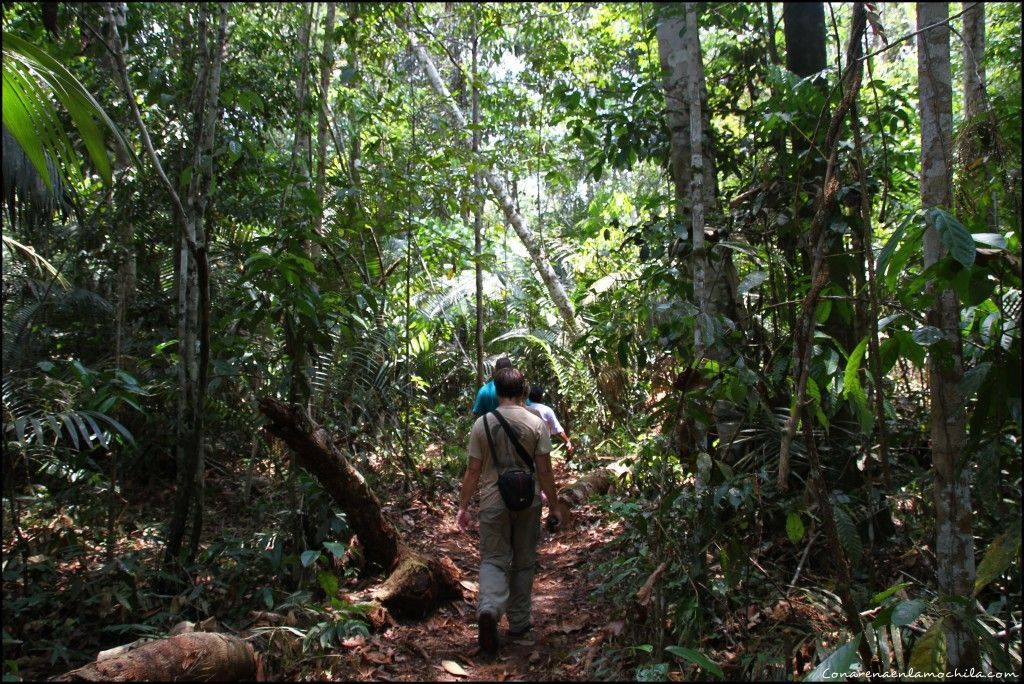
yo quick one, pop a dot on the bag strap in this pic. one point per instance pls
(512, 436)
(490, 441)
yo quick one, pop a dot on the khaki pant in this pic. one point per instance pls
(508, 561)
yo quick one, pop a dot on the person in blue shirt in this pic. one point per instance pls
(486, 396)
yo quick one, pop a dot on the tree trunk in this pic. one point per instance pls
(554, 286)
(598, 481)
(694, 65)
(326, 67)
(416, 583)
(978, 125)
(194, 291)
(804, 26)
(954, 547)
(478, 209)
(192, 657)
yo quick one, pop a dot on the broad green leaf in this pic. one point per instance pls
(928, 335)
(335, 549)
(838, 664)
(929, 652)
(953, 234)
(890, 246)
(1001, 553)
(309, 557)
(882, 595)
(907, 611)
(972, 379)
(697, 658)
(990, 239)
(751, 281)
(794, 527)
(851, 379)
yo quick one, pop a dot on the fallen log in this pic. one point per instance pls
(192, 657)
(598, 481)
(415, 583)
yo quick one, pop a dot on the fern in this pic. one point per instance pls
(847, 530)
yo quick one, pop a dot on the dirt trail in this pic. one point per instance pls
(443, 647)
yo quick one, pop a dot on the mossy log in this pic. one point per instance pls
(415, 583)
(192, 657)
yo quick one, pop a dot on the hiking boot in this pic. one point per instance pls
(519, 632)
(488, 635)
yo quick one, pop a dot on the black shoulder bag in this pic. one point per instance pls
(516, 486)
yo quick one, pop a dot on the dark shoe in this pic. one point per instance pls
(522, 631)
(488, 635)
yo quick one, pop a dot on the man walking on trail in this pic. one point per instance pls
(508, 538)
(486, 399)
(545, 413)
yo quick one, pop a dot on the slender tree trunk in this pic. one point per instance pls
(478, 202)
(494, 181)
(674, 59)
(326, 67)
(194, 293)
(871, 322)
(978, 124)
(954, 547)
(693, 62)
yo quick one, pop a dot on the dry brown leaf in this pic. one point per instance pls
(470, 585)
(352, 642)
(569, 627)
(454, 668)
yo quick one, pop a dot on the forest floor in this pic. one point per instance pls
(567, 625)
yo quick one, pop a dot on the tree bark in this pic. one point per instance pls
(978, 124)
(416, 583)
(694, 64)
(326, 68)
(804, 26)
(598, 481)
(478, 209)
(954, 547)
(497, 186)
(192, 657)
(194, 292)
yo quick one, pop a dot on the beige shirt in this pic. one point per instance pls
(533, 435)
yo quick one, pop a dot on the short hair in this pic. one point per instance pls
(503, 362)
(536, 394)
(509, 383)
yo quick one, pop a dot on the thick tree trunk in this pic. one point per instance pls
(804, 26)
(416, 582)
(954, 547)
(193, 657)
(501, 195)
